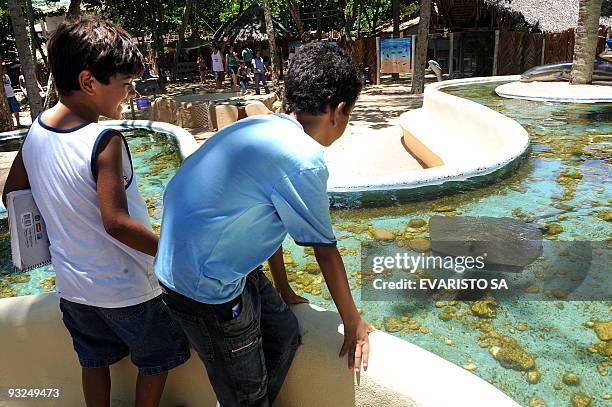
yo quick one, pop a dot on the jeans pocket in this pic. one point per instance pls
(247, 362)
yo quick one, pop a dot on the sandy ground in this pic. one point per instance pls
(371, 144)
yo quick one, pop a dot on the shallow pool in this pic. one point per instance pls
(563, 180)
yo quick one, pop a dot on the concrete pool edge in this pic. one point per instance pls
(39, 350)
(556, 92)
(186, 142)
(474, 123)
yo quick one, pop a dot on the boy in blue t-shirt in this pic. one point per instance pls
(229, 208)
(101, 241)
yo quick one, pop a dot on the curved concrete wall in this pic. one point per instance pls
(187, 144)
(456, 138)
(36, 351)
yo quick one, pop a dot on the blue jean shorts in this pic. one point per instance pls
(146, 332)
(13, 104)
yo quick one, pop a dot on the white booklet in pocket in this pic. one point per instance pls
(29, 240)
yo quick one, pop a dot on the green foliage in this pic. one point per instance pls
(8, 49)
(146, 17)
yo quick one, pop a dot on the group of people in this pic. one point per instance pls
(125, 291)
(242, 68)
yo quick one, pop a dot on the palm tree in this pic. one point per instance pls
(418, 70)
(274, 60)
(28, 64)
(585, 46)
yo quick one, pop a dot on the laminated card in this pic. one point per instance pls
(29, 241)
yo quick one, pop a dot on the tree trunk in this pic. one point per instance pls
(318, 13)
(159, 28)
(241, 7)
(585, 46)
(274, 57)
(418, 70)
(35, 40)
(74, 11)
(6, 117)
(350, 13)
(25, 56)
(181, 33)
(294, 8)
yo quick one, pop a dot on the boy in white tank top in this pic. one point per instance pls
(101, 241)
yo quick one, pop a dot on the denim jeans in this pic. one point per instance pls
(260, 77)
(248, 356)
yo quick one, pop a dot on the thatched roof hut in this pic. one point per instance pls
(553, 15)
(540, 15)
(249, 27)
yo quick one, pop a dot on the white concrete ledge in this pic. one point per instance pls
(36, 351)
(468, 138)
(558, 92)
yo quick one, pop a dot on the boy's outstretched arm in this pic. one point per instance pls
(356, 330)
(279, 275)
(113, 202)
(17, 178)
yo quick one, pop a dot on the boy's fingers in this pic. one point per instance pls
(358, 357)
(365, 352)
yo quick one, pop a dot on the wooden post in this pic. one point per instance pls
(495, 53)
(543, 48)
(451, 50)
(378, 60)
(412, 45)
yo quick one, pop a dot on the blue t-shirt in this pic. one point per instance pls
(258, 65)
(230, 205)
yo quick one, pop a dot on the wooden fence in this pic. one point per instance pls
(519, 51)
(363, 51)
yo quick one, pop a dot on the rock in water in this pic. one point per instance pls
(507, 241)
(604, 330)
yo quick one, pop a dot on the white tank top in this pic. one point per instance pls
(8, 88)
(91, 266)
(217, 61)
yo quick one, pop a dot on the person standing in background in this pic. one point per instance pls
(231, 61)
(217, 66)
(10, 95)
(202, 68)
(259, 72)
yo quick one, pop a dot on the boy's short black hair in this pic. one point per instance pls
(321, 76)
(89, 43)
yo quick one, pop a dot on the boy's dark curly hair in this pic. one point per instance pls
(321, 76)
(97, 45)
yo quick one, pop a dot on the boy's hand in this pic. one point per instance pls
(290, 297)
(357, 344)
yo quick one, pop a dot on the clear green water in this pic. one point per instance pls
(565, 178)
